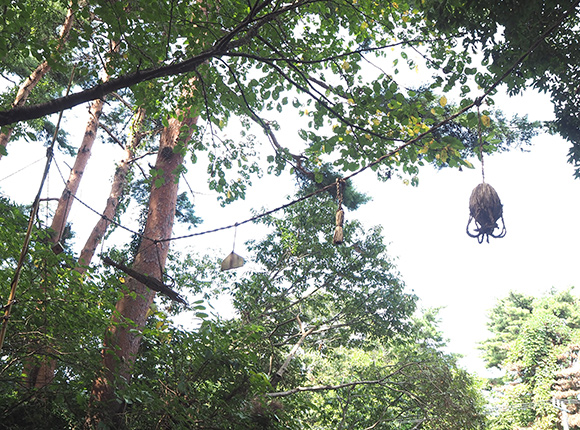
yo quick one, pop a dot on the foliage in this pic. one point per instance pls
(222, 373)
(360, 325)
(306, 57)
(328, 71)
(353, 287)
(507, 30)
(57, 314)
(530, 338)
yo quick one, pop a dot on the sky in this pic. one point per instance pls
(424, 225)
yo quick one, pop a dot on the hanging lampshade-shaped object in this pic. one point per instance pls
(486, 210)
(232, 261)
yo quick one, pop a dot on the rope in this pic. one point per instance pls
(20, 170)
(32, 217)
(480, 144)
(377, 161)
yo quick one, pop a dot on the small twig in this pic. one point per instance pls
(111, 135)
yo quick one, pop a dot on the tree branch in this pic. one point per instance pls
(324, 387)
(149, 281)
(251, 25)
(99, 91)
(280, 373)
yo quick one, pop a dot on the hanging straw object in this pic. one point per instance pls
(338, 233)
(486, 210)
(485, 207)
(233, 261)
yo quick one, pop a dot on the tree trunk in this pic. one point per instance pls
(119, 183)
(40, 376)
(76, 175)
(121, 343)
(35, 77)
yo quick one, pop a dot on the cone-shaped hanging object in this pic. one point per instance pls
(232, 261)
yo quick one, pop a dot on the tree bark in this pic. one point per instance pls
(40, 376)
(121, 343)
(35, 77)
(119, 183)
(76, 175)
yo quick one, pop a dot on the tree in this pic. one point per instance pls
(354, 365)
(121, 341)
(55, 307)
(544, 32)
(118, 187)
(220, 375)
(249, 61)
(534, 341)
(27, 9)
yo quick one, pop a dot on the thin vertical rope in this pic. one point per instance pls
(235, 234)
(480, 144)
(32, 217)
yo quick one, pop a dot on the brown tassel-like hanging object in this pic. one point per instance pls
(338, 233)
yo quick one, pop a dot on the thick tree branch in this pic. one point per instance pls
(99, 91)
(149, 281)
(233, 39)
(277, 377)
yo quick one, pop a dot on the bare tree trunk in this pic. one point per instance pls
(119, 183)
(35, 77)
(121, 342)
(41, 375)
(76, 175)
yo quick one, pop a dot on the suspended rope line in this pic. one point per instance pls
(477, 102)
(112, 221)
(24, 168)
(254, 218)
(32, 217)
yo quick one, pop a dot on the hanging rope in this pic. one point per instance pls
(480, 143)
(32, 217)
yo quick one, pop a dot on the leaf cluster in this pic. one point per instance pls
(530, 337)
